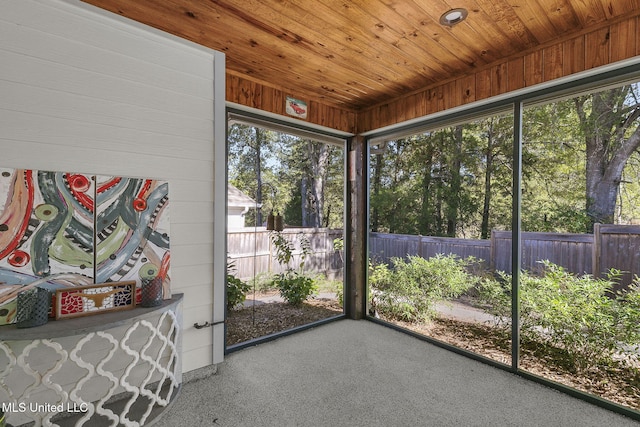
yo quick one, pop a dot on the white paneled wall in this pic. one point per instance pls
(84, 90)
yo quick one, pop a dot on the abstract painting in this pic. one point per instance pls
(65, 229)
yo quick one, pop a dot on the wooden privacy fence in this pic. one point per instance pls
(383, 247)
(571, 251)
(610, 246)
(253, 253)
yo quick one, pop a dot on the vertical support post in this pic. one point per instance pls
(596, 251)
(219, 209)
(515, 237)
(355, 294)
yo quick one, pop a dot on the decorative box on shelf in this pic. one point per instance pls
(95, 299)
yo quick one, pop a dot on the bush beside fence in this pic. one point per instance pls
(611, 246)
(253, 252)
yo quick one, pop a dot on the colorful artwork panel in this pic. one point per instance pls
(46, 224)
(95, 299)
(9, 303)
(67, 229)
(132, 230)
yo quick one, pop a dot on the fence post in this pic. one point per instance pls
(492, 251)
(596, 251)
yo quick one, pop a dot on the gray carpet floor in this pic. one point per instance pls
(358, 373)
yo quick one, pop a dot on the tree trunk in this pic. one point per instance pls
(607, 148)
(258, 171)
(313, 184)
(304, 205)
(484, 227)
(425, 221)
(453, 202)
(377, 173)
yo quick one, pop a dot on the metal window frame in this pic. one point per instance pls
(235, 115)
(616, 74)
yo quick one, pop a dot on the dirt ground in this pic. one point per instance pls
(267, 318)
(616, 384)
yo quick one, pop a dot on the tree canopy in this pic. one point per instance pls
(580, 166)
(301, 179)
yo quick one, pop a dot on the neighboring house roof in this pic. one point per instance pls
(236, 198)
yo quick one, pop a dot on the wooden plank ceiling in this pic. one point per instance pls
(357, 53)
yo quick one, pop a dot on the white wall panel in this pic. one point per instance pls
(201, 188)
(195, 359)
(191, 233)
(191, 212)
(64, 105)
(85, 90)
(199, 274)
(192, 255)
(29, 70)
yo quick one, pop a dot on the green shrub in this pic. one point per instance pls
(263, 282)
(339, 290)
(236, 289)
(285, 248)
(629, 315)
(411, 289)
(579, 314)
(294, 287)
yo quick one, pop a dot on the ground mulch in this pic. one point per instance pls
(267, 318)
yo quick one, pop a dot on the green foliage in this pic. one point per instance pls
(411, 290)
(629, 314)
(236, 289)
(433, 183)
(545, 214)
(258, 155)
(294, 287)
(285, 248)
(339, 290)
(441, 182)
(263, 282)
(579, 314)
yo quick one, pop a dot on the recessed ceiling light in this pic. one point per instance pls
(453, 17)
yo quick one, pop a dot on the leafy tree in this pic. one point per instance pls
(553, 171)
(316, 191)
(250, 149)
(287, 174)
(496, 140)
(395, 203)
(582, 161)
(609, 121)
(429, 183)
(581, 164)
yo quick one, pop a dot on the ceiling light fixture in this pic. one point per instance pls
(453, 17)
